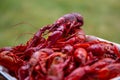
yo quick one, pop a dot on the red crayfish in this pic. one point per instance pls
(62, 51)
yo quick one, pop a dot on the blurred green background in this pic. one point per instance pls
(20, 19)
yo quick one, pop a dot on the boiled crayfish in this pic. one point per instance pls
(65, 54)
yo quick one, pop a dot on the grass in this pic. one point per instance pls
(20, 19)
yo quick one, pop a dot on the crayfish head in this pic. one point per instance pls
(79, 18)
(72, 17)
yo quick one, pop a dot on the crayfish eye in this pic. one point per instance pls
(58, 60)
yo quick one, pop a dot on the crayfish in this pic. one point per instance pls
(62, 51)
